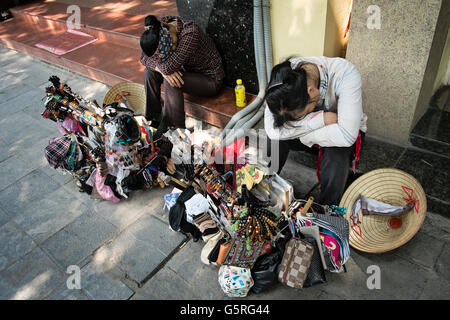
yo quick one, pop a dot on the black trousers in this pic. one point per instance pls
(334, 168)
(194, 83)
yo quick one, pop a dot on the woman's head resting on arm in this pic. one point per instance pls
(150, 38)
(289, 95)
(159, 38)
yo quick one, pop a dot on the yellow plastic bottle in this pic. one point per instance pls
(241, 101)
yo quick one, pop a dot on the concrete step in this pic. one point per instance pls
(102, 60)
(432, 132)
(103, 24)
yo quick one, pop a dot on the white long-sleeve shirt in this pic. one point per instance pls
(340, 91)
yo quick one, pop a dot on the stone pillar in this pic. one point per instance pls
(394, 44)
(230, 24)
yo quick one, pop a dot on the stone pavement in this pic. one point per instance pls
(126, 250)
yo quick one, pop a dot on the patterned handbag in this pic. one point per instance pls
(243, 255)
(235, 281)
(295, 263)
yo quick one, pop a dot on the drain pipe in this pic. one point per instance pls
(263, 57)
(267, 37)
(249, 122)
(247, 116)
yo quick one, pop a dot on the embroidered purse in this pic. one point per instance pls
(243, 255)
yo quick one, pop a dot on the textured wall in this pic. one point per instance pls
(230, 24)
(298, 28)
(392, 61)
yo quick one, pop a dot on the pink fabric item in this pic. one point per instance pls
(104, 191)
(60, 127)
(333, 245)
(69, 124)
(66, 42)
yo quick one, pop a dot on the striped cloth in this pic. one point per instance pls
(337, 225)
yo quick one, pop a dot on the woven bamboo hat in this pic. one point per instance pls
(133, 92)
(377, 234)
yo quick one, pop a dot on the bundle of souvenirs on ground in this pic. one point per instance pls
(253, 229)
(252, 238)
(239, 213)
(109, 150)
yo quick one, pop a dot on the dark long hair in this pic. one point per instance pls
(150, 38)
(287, 91)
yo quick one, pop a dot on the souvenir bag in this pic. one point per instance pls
(235, 281)
(64, 152)
(57, 150)
(336, 224)
(252, 228)
(334, 234)
(316, 273)
(242, 254)
(313, 232)
(295, 263)
(211, 243)
(332, 249)
(214, 254)
(223, 251)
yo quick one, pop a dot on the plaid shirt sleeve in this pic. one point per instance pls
(148, 61)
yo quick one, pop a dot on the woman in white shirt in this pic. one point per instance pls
(316, 101)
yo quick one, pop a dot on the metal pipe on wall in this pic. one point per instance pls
(267, 37)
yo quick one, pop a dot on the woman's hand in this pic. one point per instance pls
(175, 79)
(329, 118)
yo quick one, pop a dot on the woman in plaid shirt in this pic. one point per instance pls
(179, 54)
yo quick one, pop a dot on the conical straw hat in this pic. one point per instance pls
(132, 91)
(376, 234)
